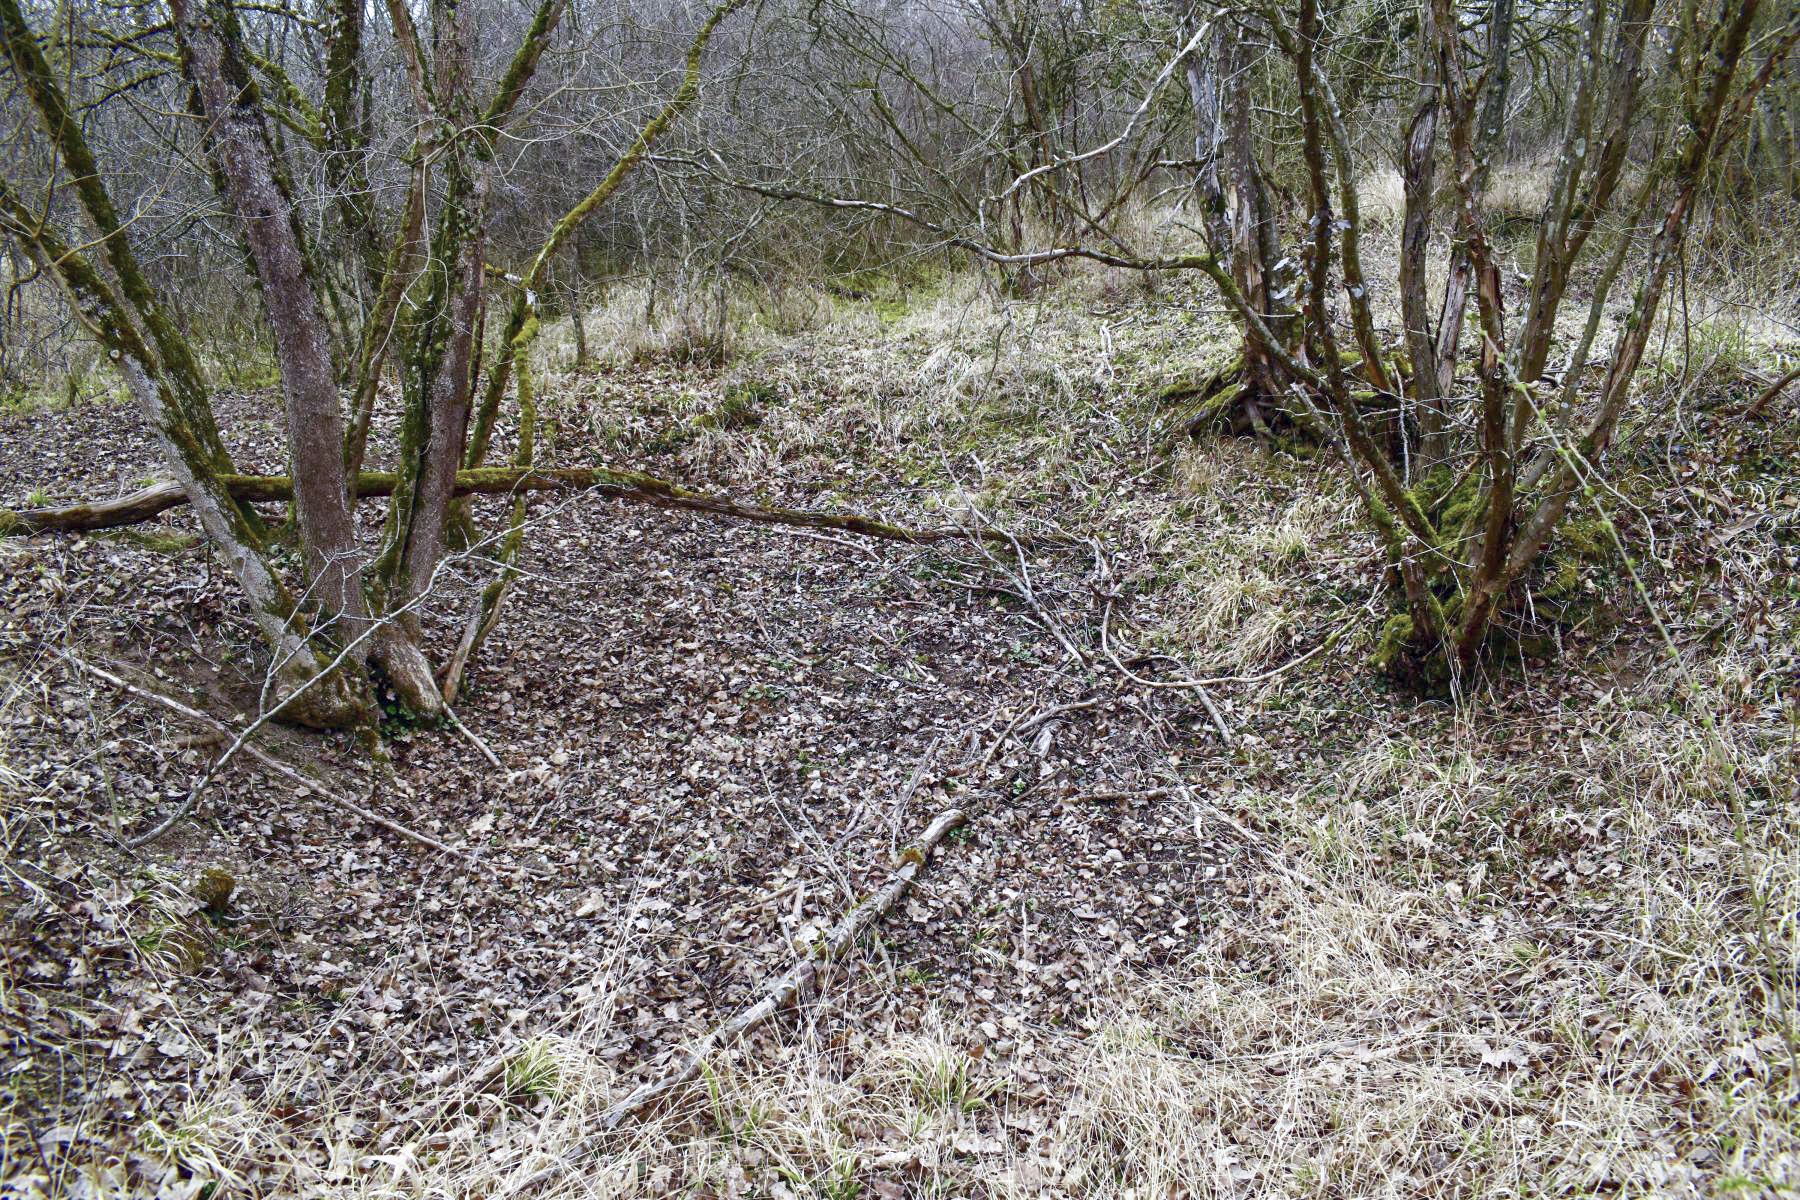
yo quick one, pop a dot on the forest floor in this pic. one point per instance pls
(1335, 940)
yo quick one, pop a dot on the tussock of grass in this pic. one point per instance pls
(1246, 539)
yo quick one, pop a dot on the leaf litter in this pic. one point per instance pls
(716, 738)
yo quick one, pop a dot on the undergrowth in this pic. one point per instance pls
(1544, 941)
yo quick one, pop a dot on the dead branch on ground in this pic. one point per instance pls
(841, 937)
(1769, 393)
(633, 486)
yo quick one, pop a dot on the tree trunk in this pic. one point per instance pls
(438, 394)
(238, 139)
(1418, 168)
(1588, 171)
(163, 376)
(1687, 167)
(1484, 127)
(1236, 211)
(248, 169)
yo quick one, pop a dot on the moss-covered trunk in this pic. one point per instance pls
(162, 373)
(1238, 216)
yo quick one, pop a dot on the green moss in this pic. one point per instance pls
(157, 542)
(1587, 538)
(741, 407)
(1395, 636)
(670, 441)
(890, 292)
(1449, 502)
(213, 888)
(1563, 582)
(249, 371)
(1432, 487)
(1462, 509)
(891, 309)
(1582, 544)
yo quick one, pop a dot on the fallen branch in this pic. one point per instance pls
(279, 767)
(1121, 797)
(634, 486)
(832, 946)
(1769, 393)
(1023, 724)
(1197, 686)
(486, 752)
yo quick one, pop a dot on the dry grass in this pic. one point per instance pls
(1246, 538)
(1487, 955)
(1388, 1023)
(1468, 972)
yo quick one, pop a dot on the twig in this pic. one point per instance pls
(1021, 725)
(859, 547)
(1114, 797)
(1197, 686)
(842, 936)
(906, 794)
(1059, 710)
(473, 632)
(1265, 676)
(280, 768)
(1261, 677)
(480, 745)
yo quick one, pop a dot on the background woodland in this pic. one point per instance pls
(1350, 444)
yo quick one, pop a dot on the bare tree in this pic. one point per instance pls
(160, 369)
(1238, 211)
(1485, 504)
(341, 302)
(1465, 456)
(252, 180)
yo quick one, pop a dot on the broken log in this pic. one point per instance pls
(633, 486)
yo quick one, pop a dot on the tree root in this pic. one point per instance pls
(488, 481)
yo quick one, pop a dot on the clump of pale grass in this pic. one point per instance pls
(1239, 595)
(684, 320)
(1518, 189)
(1383, 1041)
(1381, 197)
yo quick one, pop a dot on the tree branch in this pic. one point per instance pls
(779, 994)
(635, 486)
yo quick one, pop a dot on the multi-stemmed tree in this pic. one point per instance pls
(362, 154)
(401, 284)
(1466, 450)
(1491, 450)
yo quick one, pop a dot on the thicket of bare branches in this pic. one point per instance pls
(405, 193)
